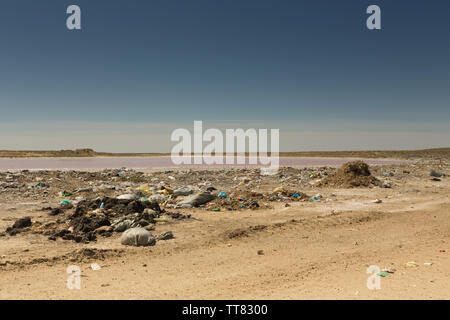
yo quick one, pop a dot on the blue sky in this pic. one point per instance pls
(139, 69)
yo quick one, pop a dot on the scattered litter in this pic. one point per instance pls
(165, 236)
(137, 237)
(95, 267)
(145, 190)
(411, 264)
(436, 174)
(82, 190)
(279, 189)
(41, 185)
(183, 191)
(127, 196)
(198, 199)
(388, 270)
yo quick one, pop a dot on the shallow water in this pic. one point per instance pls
(159, 162)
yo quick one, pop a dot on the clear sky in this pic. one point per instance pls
(140, 68)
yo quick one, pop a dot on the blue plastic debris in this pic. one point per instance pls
(222, 195)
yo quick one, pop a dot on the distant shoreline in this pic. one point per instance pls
(165, 162)
(374, 154)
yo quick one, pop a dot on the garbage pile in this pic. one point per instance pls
(103, 216)
(351, 174)
(82, 206)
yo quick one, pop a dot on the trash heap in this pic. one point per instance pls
(351, 174)
(82, 206)
(103, 216)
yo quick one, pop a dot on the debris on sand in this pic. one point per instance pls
(19, 225)
(137, 237)
(89, 254)
(436, 174)
(197, 199)
(102, 216)
(95, 267)
(411, 264)
(165, 236)
(55, 211)
(351, 174)
(109, 201)
(22, 223)
(120, 206)
(88, 224)
(41, 185)
(183, 191)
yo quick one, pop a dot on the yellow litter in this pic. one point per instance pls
(278, 189)
(411, 264)
(145, 190)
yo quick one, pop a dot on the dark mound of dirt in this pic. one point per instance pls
(244, 232)
(87, 224)
(56, 211)
(177, 215)
(19, 226)
(75, 236)
(22, 223)
(120, 206)
(351, 174)
(235, 204)
(92, 254)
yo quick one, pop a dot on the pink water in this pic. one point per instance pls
(158, 162)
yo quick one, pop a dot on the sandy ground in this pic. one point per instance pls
(309, 250)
